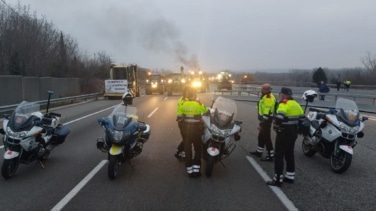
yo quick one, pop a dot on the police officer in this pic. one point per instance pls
(180, 154)
(190, 113)
(265, 107)
(288, 116)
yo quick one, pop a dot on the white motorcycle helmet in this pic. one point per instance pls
(127, 98)
(309, 95)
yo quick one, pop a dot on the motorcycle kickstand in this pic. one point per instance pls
(129, 163)
(222, 163)
(41, 163)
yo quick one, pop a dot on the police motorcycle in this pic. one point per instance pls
(333, 133)
(221, 132)
(30, 135)
(124, 136)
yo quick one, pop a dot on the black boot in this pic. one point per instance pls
(196, 171)
(180, 155)
(256, 153)
(274, 183)
(267, 158)
(277, 181)
(287, 180)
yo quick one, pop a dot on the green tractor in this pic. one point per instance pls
(155, 83)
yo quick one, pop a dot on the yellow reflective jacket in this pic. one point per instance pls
(289, 112)
(266, 107)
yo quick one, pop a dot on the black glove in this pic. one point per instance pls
(277, 128)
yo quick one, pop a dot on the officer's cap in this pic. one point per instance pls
(286, 91)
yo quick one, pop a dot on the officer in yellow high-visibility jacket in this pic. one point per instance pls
(190, 114)
(265, 107)
(289, 114)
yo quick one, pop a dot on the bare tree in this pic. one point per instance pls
(369, 63)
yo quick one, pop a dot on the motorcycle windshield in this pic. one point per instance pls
(122, 115)
(347, 112)
(225, 112)
(22, 118)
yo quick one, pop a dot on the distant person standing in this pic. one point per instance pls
(266, 107)
(323, 88)
(347, 84)
(338, 85)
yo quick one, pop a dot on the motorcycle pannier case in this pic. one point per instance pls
(60, 134)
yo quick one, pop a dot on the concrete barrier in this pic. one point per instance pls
(15, 88)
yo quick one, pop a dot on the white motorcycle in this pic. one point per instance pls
(30, 135)
(221, 132)
(333, 133)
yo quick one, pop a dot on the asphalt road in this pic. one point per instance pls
(75, 175)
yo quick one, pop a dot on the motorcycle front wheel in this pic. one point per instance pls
(308, 149)
(10, 167)
(209, 165)
(340, 162)
(113, 167)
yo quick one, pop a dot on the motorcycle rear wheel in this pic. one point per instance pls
(9, 167)
(113, 167)
(308, 148)
(340, 162)
(209, 165)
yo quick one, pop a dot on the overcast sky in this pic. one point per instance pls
(219, 34)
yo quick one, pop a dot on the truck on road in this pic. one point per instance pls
(123, 79)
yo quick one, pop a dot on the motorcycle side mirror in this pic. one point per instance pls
(238, 122)
(364, 118)
(101, 121)
(38, 123)
(142, 127)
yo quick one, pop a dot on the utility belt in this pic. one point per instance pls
(286, 128)
(190, 118)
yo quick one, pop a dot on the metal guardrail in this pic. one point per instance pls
(7, 108)
(249, 89)
(240, 89)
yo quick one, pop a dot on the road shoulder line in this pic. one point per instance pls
(277, 191)
(59, 206)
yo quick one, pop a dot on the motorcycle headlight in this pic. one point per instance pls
(218, 134)
(118, 135)
(16, 135)
(346, 129)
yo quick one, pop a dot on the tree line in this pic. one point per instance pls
(32, 46)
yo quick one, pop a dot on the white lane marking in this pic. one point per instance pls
(79, 186)
(151, 114)
(278, 192)
(89, 115)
